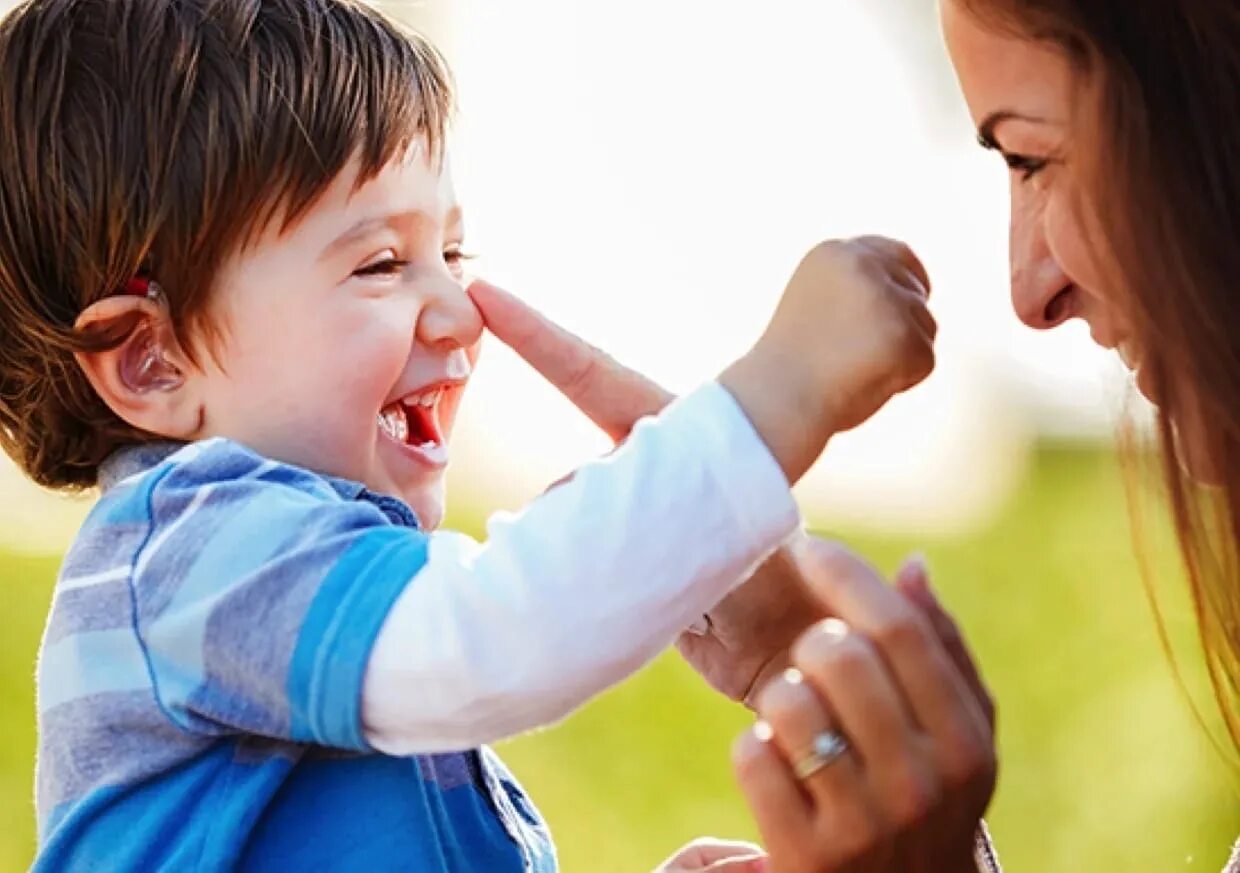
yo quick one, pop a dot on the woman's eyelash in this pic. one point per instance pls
(1026, 166)
(458, 255)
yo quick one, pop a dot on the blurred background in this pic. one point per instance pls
(649, 173)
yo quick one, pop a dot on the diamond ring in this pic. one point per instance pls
(828, 748)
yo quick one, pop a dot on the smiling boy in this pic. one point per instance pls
(233, 299)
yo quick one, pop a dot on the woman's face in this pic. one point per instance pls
(1021, 95)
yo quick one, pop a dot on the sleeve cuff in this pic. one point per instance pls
(747, 475)
(329, 665)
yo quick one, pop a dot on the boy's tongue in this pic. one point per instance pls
(414, 424)
(423, 424)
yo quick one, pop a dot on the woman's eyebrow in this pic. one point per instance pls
(986, 130)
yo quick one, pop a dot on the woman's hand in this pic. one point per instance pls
(752, 630)
(876, 749)
(709, 855)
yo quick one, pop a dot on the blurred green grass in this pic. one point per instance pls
(1103, 766)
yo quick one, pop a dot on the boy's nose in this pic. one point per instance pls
(449, 317)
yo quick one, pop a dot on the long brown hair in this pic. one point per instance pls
(159, 136)
(1161, 112)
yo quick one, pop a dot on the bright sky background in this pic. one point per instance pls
(650, 172)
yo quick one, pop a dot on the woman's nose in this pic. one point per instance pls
(449, 317)
(1042, 293)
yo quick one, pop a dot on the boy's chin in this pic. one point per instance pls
(427, 504)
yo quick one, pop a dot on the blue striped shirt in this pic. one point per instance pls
(200, 682)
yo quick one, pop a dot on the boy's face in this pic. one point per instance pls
(348, 339)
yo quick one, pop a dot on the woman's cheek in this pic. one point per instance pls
(1069, 243)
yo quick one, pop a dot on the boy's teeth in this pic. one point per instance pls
(394, 423)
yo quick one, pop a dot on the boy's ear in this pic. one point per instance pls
(145, 378)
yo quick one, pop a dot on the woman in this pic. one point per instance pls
(1120, 123)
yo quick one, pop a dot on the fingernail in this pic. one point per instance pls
(793, 676)
(763, 731)
(914, 575)
(919, 561)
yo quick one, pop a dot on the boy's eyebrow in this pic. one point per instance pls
(396, 220)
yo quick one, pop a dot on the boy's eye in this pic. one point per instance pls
(455, 258)
(387, 266)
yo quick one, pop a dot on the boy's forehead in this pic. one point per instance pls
(410, 186)
(412, 182)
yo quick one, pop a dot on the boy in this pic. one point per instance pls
(233, 298)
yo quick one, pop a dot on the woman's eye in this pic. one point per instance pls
(1026, 166)
(385, 267)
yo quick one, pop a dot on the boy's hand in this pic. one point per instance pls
(851, 331)
(610, 394)
(752, 630)
(709, 855)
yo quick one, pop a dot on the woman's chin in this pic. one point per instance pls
(1145, 385)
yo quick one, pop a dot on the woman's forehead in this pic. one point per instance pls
(1002, 72)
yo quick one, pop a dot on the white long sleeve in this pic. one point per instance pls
(581, 588)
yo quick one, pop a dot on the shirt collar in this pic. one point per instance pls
(136, 459)
(132, 460)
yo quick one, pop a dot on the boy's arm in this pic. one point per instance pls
(580, 589)
(265, 604)
(601, 574)
(260, 599)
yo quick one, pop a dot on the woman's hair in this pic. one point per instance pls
(159, 137)
(1161, 181)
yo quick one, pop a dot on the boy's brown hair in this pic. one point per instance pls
(157, 137)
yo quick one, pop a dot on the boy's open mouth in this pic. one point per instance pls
(413, 422)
